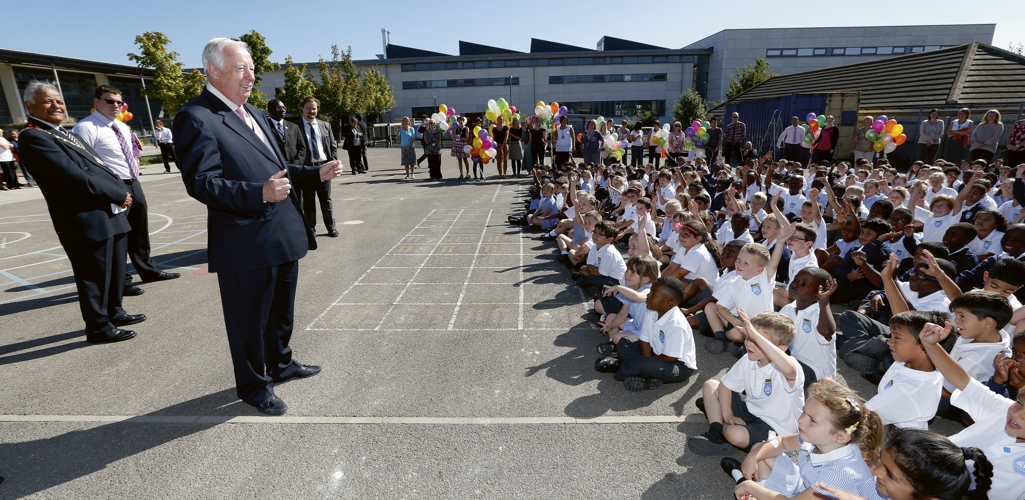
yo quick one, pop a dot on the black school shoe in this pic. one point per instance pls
(639, 384)
(608, 349)
(607, 364)
(709, 444)
(716, 346)
(730, 464)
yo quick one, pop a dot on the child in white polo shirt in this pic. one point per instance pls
(772, 381)
(663, 351)
(814, 343)
(910, 390)
(799, 239)
(999, 428)
(605, 264)
(750, 290)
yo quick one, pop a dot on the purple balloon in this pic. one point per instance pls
(563, 110)
(623, 144)
(689, 132)
(483, 134)
(698, 143)
(810, 117)
(882, 118)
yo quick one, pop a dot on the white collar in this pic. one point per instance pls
(818, 459)
(227, 102)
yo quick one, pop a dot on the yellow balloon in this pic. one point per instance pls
(443, 109)
(701, 131)
(477, 143)
(541, 103)
(476, 131)
(490, 115)
(484, 155)
(897, 130)
(878, 145)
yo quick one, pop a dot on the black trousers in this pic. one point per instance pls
(792, 152)
(355, 160)
(309, 198)
(8, 170)
(99, 268)
(167, 151)
(138, 237)
(537, 155)
(363, 153)
(711, 154)
(731, 151)
(258, 313)
(654, 157)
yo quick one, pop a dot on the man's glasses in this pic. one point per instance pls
(112, 102)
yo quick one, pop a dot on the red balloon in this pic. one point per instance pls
(512, 109)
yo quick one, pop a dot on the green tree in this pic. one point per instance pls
(299, 85)
(378, 96)
(261, 62)
(689, 107)
(171, 84)
(339, 90)
(748, 77)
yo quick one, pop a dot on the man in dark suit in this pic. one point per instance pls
(366, 135)
(354, 141)
(321, 147)
(257, 234)
(286, 133)
(87, 204)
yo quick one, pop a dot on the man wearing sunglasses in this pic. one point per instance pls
(111, 139)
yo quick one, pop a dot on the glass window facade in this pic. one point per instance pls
(464, 82)
(572, 61)
(643, 77)
(849, 51)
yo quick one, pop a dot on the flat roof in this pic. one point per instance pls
(68, 63)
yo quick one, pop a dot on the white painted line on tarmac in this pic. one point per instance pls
(497, 190)
(469, 273)
(23, 283)
(209, 419)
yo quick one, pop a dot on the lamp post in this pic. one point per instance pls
(510, 90)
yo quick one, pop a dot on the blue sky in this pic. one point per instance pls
(307, 29)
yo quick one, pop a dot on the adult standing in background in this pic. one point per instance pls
(636, 139)
(407, 137)
(165, 140)
(862, 146)
(536, 139)
(7, 163)
(321, 149)
(592, 144)
(986, 136)
(17, 159)
(420, 131)
(929, 134)
(87, 203)
(675, 144)
(460, 135)
(432, 139)
(257, 232)
(353, 141)
(111, 140)
(733, 140)
(287, 134)
(714, 141)
(500, 136)
(958, 137)
(516, 146)
(361, 120)
(654, 157)
(1016, 144)
(791, 139)
(825, 146)
(564, 142)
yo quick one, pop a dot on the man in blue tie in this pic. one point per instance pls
(286, 133)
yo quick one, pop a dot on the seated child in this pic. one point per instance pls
(999, 422)
(750, 290)
(836, 436)
(605, 265)
(956, 239)
(547, 214)
(990, 226)
(696, 255)
(623, 305)
(700, 290)
(851, 273)
(735, 229)
(662, 351)
(814, 343)
(575, 251)
(1009, 372)
(798, 238)
(910, 389)
(772, 381)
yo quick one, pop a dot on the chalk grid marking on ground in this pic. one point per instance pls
(439, 224)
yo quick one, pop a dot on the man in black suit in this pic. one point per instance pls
(286, 133)
(354, 141)
(87, 204)
(321, 147)
(366, 135)
(257, 232)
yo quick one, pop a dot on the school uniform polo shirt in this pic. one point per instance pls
(977, 357)
(989, 244)
(698, 262)
(936, 301)
(610, 262)
(933, 227)
(907, 398)
(810, 347)
(671, 336)
(752, 295)
(769, 396)
(798, 263)
(987, 433)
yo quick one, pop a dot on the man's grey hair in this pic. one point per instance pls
(36, 87)
(213, 53)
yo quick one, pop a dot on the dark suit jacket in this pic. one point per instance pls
(348, 137)
(78, 188)
(224, 165)
(328, 144)
(366, 134)
(293, 146)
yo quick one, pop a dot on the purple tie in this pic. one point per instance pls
(127, 151)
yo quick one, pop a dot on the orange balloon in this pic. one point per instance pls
(580, 137)
(486, 160)
(475, 152)
(900, 139)
(813, 125)
(890, 124)
(129, 116)
(555, 107)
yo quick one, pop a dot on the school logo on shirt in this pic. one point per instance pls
(806, 325)
(1019, 465)
(599, 261)
(767, 388)
(986, 244)
(662, 336)
(938, 223)
(888, 385)
(756, 289)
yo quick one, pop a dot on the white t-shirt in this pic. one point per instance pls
(987, 433)
(6, 153)
(671, 335)
(936, 301)
(649, 226)
(698, 262)
(820, 234)
(934, 227)
(629, 213)
(610, 262)
(907, 398)
(792, 203)
(769, 396)
(755, 217)
(796, 264)
(1011, 211)
(897, 248)
(977, 357)
(725, 234)
(929, 194)
(752, 295)
(990, 244)
(810, 347)
(668, 193)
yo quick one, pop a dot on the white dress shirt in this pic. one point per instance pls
(95, 130)
(250, 121)
(792, 135)
(164, 136)
(316, 150)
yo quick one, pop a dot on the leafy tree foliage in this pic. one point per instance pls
(171, 84)
(748, 77)
(690, 106)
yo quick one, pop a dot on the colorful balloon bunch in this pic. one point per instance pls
(501, 108)
(614, 146)
(886, 134)
(445, 118)
(549, 113)
(813, 128)
(662, 139)
(696, 135)
(482, 147)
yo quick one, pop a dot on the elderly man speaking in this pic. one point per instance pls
(257, 232)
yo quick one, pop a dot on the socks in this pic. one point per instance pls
(715, 428)
(738, 476)
(721, 335)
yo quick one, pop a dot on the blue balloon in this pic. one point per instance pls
(698, 143)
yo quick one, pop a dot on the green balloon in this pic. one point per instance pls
(804, 126)
(871, 135)
(706, 125)
(822, 120)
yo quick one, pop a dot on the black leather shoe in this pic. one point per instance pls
(333, 233)
(132, 291)
(115, 335)
(305, 371)
(128, 319)
(161, 276)
(272, 406)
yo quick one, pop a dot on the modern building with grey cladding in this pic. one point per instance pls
(793, 50)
